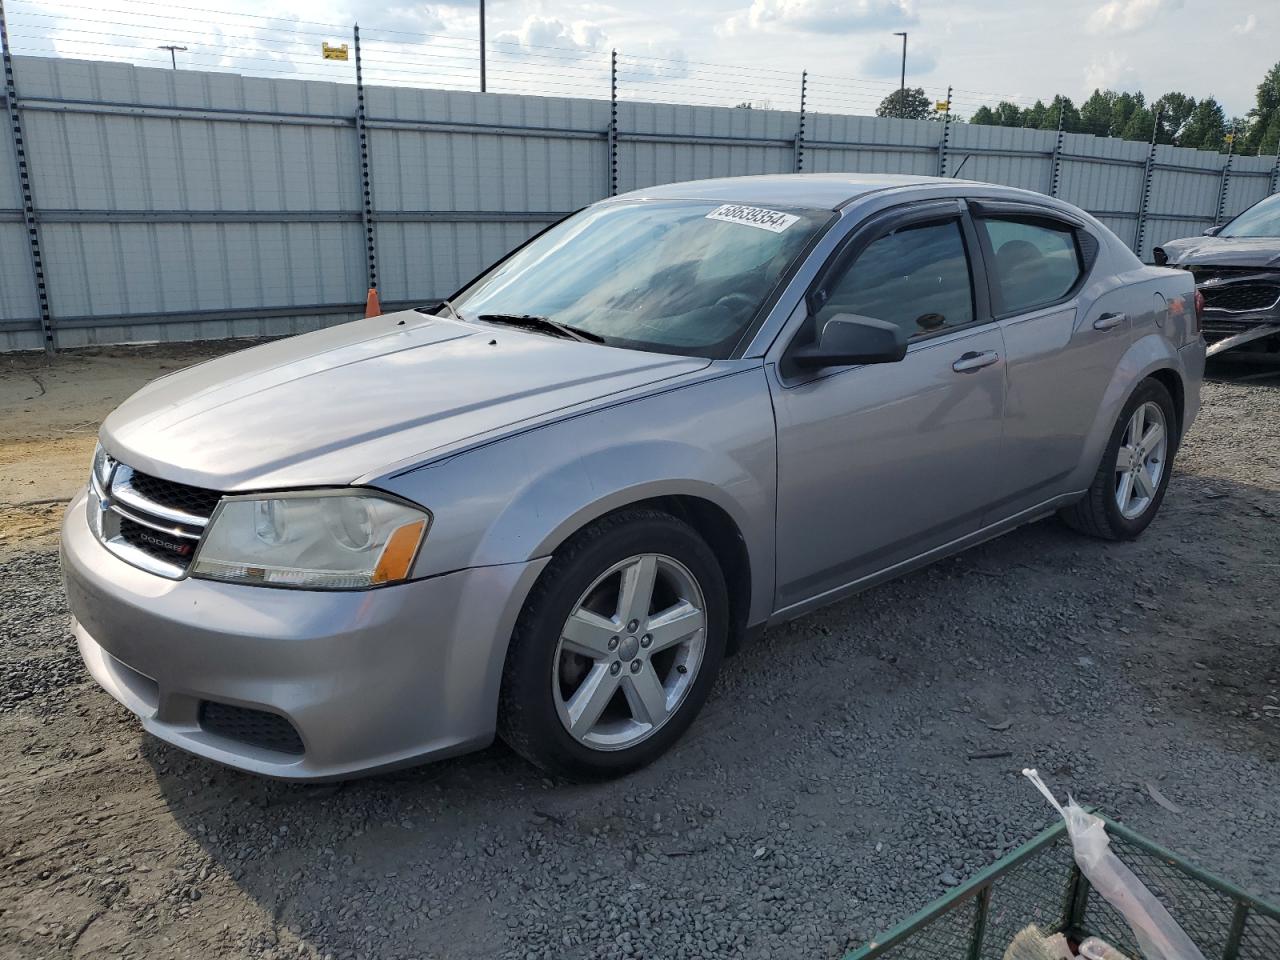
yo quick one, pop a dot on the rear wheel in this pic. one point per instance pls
(1131, 481)
(617, 647)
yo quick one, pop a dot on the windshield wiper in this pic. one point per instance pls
(545, 324)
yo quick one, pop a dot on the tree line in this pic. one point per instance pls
(1176, 118)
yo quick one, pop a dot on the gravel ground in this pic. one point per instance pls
(832, 786)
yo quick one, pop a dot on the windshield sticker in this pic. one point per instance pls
(772, 220)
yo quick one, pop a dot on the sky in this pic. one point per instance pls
(714, 51)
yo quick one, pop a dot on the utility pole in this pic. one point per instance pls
(902, 86)
(173, 49)
(482, 78)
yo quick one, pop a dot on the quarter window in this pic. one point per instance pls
(917, 277)
(1035, 263)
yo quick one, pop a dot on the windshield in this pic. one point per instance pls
(679, 276)
(1260, 220)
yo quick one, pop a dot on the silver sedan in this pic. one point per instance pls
(548, 507)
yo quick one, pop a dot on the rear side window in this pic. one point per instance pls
(917, 277)
(1035, 264)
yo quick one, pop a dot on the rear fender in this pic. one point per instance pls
(1144, 357)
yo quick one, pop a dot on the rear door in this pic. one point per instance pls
(1062, 344)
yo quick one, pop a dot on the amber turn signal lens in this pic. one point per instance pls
(397, 556)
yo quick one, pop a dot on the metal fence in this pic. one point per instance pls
(144, 203)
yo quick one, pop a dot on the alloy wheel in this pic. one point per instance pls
(629, 652)
(1140, 462)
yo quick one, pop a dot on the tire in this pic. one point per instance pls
(547, 674)
(1099, 512)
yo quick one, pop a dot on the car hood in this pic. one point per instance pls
(1223, 251)
(354, 401)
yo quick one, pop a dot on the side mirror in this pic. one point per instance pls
(850, 338)
(1213, 231)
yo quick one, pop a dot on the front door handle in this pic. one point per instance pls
(1109, 320)
(975, 361)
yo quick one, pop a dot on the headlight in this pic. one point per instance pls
(321, 541)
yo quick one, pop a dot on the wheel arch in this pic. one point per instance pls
(1149, 358)
(712, 521)
(1171, 380)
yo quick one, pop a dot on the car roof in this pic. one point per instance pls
(828, 191)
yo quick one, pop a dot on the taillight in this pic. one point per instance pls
(1199, 313)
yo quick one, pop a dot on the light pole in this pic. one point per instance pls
(902, 85)
(482, 82)
(173, 52)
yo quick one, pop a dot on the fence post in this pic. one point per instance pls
(613, 124)
(1225, 185)
(366, 180)
(24, 185)
(798, 165)
(1147, 177)
(945, 139)
(1055, 182)
(1275, 173)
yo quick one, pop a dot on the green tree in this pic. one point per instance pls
(1175, 110)
(911, 104)
(1139, 125)
(1004, 114)
(1034, 116)
(1263, 135)
(1095, 113)
(1070, 115)
(1206, 126)
(1268, 141)
(1122, 110)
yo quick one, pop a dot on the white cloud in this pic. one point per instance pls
(1127, 16)
(549, 32)
(1112, 72)
(1250, 22)
(822, 16)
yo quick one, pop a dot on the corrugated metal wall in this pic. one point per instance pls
(176, 205)
(18, 303)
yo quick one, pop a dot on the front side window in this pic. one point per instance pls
(1035, 264)
(916, 277)
(1260, 220)
(673, 276)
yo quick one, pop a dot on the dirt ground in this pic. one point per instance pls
(850, 767)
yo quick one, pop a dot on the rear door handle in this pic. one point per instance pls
(975, 361)
(1109, 320)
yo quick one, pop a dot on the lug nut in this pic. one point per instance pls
(615, 668)
(635, 666)
(631, 627)
(646, 640)
(613, 643)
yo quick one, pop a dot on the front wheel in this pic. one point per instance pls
(617, 647)
(1130, 483)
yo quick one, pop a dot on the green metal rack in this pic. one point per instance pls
(1040, 883)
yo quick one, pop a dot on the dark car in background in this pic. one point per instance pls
(1237, 271)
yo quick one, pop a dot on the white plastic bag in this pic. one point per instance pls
(1157, 933)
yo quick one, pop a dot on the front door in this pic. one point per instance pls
(880, 463)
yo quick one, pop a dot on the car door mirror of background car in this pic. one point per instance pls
(1213, 231)
(849, 338)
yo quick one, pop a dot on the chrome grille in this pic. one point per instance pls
(147, 521)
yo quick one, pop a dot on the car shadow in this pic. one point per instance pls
(837, 721)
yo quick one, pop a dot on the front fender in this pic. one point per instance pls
(1144, 357)
(521, 497)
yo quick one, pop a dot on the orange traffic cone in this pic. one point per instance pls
(371, 306)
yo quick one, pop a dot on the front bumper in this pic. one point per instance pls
(369, 679)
